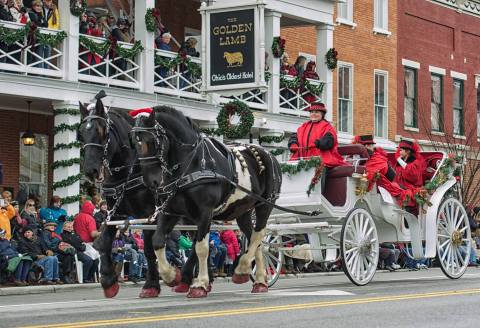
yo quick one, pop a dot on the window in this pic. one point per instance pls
(381, 14)
(34, 168)
(381, 104)
(345, 98)
(410, 98)
(458, 127)
(436, 102)
(345, 11)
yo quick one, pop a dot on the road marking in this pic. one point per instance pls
(139, 312)
(314, 293)
(253, 310)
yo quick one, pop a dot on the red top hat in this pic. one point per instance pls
(406, 144)
(364, 140)
(317, 107)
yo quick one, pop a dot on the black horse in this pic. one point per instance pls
(110, 160)
(198, 178)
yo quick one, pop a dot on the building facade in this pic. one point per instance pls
(439, 71)
(365, 80)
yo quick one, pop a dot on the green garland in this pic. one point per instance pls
(447, 169)
(66, 111)
(297, 83)
(65, 163)
(65, 127)
(278, 46)
(277, 152)
(246, 120)
(71, 199)
(74, 144)
(67, 182)
(170, 63)
(268, 76)
(270, 139)
(150, 20)
(102, 48)
(211, 132)
(76, 8)
(331, 59)
(10, 37)
(302, 165)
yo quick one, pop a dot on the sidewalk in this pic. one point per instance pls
(6, 291)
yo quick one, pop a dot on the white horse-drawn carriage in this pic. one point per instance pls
(353, 224)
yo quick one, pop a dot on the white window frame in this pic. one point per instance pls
(385, 107)
(383, 28)
(350, 124)
(348, 20)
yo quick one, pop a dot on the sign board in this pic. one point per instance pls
(233, 58)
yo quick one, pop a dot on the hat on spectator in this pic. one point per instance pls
(317, 106)
(50, 223)
(364, 140)
(27, 229)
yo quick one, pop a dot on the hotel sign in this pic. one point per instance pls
(233, 59)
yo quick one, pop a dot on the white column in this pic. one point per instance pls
(66, 137)
(147, 57)
(325, 42)
(71, 25)
(272, 29)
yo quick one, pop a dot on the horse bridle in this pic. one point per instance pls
(108, 124)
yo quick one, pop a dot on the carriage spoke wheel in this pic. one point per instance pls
(272, 258)
(453, 238)
(359, 247)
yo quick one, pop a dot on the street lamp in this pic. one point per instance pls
(28, 137)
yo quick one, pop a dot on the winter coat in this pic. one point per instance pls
(51, 240)
(99, 217)
(38, 19)
(6, 215)
(138, 240)
(172, 243)
(316, 139)
(73, 239)
(84, 223)
(32, 247)
(54, 214)
(184, 243)
(6, 249)
(19, 16)
(51, 15)
(412, 175)
(215, 237)
(229, 238)
(5, 14)
(33, 221)
(161, 45)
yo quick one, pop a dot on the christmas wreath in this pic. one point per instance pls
(226, 128)
(153, 20)
(278, 46)
(78, 7)
(331, 59)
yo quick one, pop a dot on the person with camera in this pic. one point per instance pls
(35, 247)
(7, 213)
(18, 264)
(64, 251)
(54, 213)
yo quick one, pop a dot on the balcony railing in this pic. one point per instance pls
(28, 53)
(296, 95)
(177, 76)
(104, 66)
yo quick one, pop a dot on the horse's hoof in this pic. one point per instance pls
(111, 291)
(181, 288)
(177, 280)
(259, 288)
(197, 292)
(240, 278)
(149, 292)
(209, 288)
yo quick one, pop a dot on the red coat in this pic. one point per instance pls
(378, 162)
(229, 238)
(84, 223)
(310, 131)
(412, 175)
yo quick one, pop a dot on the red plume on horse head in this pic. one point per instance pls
(141, 112)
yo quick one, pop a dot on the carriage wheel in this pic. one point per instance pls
(453, 238)
(272, 257)
(359, 247)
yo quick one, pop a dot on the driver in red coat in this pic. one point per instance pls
(317, 137)
(410, 165)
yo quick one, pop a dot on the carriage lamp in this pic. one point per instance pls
(28, 138)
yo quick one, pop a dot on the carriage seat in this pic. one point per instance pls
(344, 171)
(336, 183)
(356, 149)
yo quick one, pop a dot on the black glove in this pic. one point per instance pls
(325, 142)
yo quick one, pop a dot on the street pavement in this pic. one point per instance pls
(399, 299)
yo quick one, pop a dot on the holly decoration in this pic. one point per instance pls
(277, 152)
(331, 59)
(30, 30)
(315, 179)
(153, 20)
(78, 7)
(302, 165)
(278, 46)
(270, 139)
(65, 163)
(226, 128)
(304, 84)
(181, 59)
(67, 182)
(111, 47)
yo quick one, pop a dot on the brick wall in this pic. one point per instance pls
(367, 52)
(12, 124)
(431, 34)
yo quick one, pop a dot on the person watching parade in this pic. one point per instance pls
(410, 165)
(317, 137)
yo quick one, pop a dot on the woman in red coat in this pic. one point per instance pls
(317, 137)
(230, 240)
(410, 165)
